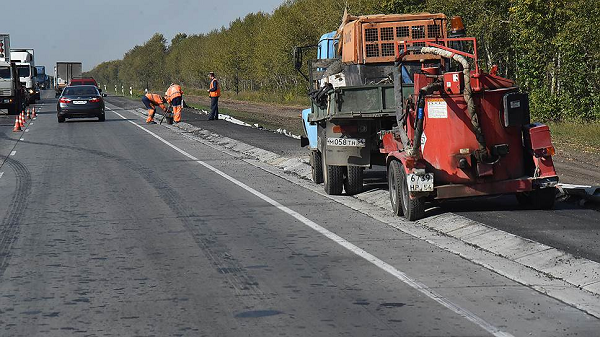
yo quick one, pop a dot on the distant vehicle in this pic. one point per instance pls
(79, 102)
(25, 60)
(64, 72)
(43, 80)
(12, 93)
(84, 81)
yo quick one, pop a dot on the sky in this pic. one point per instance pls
(92, 32)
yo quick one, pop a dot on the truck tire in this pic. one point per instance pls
(538, 199)
(394, 188)
(333, 178)
(354, 180)
(412, 209)
(316, 165)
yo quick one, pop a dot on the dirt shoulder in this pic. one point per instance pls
(270, 116)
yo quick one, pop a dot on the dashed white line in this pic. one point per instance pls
(1, 175)
(421, 287)
(13, 153)
(22, 139)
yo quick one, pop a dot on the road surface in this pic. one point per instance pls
(117, 228)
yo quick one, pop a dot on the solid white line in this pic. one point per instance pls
(13, 153)
(342, 242)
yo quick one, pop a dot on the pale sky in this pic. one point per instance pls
(96, 31)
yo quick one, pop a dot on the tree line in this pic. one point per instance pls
(550, 47)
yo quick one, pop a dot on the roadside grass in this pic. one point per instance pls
(572, 136)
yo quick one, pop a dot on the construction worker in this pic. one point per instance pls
(151, 101)
(175, 97)
(214, 92)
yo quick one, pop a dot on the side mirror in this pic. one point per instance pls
(104, 95)
(100, 90)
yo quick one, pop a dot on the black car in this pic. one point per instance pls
(80, 101)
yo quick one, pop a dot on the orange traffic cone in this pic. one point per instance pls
(22, 119)
(28, 113)
(33, 113)
(17, 127)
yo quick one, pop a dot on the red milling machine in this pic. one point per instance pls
(462, 132)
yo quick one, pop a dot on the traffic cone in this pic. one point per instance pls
(28, 113)
(33, 113)
(22, 119)
(17, 127)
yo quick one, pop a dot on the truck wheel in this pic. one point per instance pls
(316, 165)
(402, 204)
(333, 178)
(354, 180)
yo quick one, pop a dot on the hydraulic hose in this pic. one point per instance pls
(481, 154)
(427, 90)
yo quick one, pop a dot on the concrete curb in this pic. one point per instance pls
(591, 193)
(544, 265)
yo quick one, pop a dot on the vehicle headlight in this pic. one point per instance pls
(31, 91)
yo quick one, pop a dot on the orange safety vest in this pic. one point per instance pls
(216, 93)
(156, 100)
(173, 91)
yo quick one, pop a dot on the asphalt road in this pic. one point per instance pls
(569, 227)
(122, 229)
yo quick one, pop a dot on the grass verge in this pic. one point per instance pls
(581, 137)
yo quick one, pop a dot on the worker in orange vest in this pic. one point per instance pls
(151, 101)
(175, 96)
(214, 92)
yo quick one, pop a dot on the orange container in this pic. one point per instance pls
(373, 38)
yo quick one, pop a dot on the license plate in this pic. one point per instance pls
(79, 102)
(345, 142)
(420, 183)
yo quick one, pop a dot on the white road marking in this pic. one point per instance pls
(22, 139)
(26, 130)
(1, 175)
(421, 287)
(13, 153)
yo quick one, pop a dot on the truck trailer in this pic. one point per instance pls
(64, 72)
